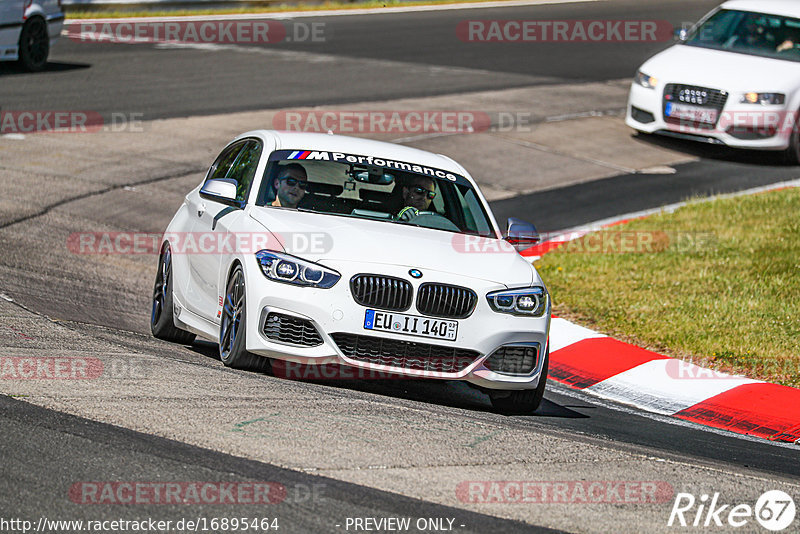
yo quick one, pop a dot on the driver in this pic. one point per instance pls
(290, 186)
(417, 196)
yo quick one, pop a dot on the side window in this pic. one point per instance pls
(224, 161)
(473, 214)
(243, 169)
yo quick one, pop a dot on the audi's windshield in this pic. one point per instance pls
(746, 32)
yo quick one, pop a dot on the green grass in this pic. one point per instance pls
(277, 8)
(719, 284)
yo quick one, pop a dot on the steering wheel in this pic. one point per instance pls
(427, 219)
(406, 214)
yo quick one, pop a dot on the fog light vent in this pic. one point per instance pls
(640, 115)
(514, 359)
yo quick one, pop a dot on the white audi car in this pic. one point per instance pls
(28, 28)
(732, 79)
(319, 249)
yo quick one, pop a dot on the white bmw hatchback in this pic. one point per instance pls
(323, 249)
(733, 79)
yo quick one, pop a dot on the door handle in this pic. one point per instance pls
(201, 209)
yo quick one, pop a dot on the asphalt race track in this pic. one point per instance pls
(341, 449)
(363, 58)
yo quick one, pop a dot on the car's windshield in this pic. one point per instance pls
(369, 187)
(746, 32)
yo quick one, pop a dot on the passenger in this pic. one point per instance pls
(290, 186)
(417, 196)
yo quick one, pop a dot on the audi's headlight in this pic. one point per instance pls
(645, 81)
(291, 270)
(530, 301)
(765, 99)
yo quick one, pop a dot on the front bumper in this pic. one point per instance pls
(334, 314)
(738, 125)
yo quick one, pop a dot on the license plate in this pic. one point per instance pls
(692, 113)
(411, 325)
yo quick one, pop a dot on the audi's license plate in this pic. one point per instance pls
(692, 113)
(412, 325)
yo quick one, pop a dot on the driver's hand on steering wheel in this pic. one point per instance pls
(407, 213)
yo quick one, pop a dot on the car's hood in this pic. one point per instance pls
(319, 237)
(718, 69)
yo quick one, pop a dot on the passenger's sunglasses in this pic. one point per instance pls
(291, 182)
(417, 190)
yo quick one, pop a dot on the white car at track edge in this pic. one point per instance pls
(733, 79)
(28, 29)
(351, 276)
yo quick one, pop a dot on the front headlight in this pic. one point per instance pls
(645, 81)
(530, 301)
(765, 99)
(291, 270)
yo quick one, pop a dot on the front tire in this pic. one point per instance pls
(233, 327)
(162, 323)
(34, 45)
(524, 401)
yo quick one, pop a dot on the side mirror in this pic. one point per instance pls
(221, 190)
(680, 34)
(521, 235)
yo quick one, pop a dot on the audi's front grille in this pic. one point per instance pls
(404, 354)
(513, 359)
(291, 330)
(381, 292)
(693, 95)
(442, 300)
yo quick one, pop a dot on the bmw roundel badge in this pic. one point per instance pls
(415, 273)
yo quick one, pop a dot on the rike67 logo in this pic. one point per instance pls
(774, 510)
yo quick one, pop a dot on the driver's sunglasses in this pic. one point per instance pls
(417, 190)
(291, 182)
